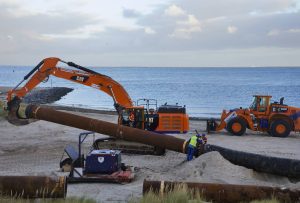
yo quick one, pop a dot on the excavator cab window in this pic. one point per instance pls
(125, 117)
(133, 117)
(129, 118)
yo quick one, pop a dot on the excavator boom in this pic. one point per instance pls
(168, 118)
(82, 76)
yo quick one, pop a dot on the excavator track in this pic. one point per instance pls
(127, 147)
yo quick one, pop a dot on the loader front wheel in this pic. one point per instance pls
(236, 126)
(280, 128)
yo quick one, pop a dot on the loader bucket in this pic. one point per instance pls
(211, 125)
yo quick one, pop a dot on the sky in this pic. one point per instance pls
(153, 33)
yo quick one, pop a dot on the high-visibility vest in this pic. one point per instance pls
(193, 140)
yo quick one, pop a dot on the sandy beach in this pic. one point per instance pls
(174, 57)
(36, 149)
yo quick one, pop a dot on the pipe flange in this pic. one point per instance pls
(13, 113)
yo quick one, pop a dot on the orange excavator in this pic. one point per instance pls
(165, 119)
(277, 118)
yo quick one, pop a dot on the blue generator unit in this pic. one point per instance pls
(103, 161)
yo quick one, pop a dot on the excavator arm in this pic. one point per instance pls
(166, 119)
(82, 76)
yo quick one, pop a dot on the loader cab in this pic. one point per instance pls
(260, 104)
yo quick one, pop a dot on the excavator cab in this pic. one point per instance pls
(141, 116)
(133, 117)
(151, 117)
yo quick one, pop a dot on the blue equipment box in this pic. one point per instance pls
(103, 161)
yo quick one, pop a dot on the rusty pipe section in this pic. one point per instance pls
(33, 186)
(226, 193)
(103, 127)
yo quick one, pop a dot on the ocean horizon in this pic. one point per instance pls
(205, 91)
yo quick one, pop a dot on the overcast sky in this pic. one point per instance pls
(194, 33)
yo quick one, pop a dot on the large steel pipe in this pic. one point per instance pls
(285, 167)
(226, 193)
(103, 127)
(33, 186)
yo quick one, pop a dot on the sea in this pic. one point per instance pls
(204, 91)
